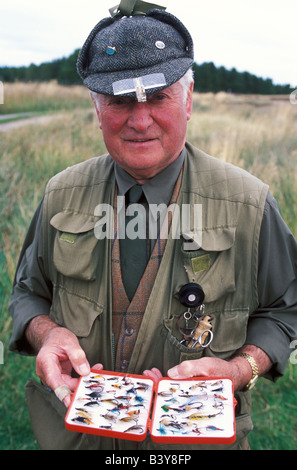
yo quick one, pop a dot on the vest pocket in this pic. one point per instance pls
(213, 265)
(229, 330)
(75, 312)
(74, 253)
(174, 350)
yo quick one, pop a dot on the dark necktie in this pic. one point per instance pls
(133, 252)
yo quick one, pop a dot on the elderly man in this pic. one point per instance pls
(119, 302)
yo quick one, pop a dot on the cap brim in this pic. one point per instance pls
(173, 71)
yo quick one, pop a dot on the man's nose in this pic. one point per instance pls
(140, 118)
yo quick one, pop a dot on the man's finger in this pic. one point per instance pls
(79, 361)
(154, 373)
(62, 391)
(184, 370)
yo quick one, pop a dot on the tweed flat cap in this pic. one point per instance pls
(154, 50)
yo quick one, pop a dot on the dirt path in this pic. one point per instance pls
(7, 126)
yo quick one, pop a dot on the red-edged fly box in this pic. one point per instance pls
(127, 406)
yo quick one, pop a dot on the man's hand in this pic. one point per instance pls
(58, 353)
(209, 367)
(238, 368)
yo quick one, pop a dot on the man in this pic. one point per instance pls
(82, 299)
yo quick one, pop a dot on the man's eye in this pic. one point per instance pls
(118, 102)
(158, 97)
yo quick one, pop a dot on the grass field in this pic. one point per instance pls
(255, 132)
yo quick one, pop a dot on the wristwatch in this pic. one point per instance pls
(255, 370)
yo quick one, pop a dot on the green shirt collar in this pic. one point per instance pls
(157, 190)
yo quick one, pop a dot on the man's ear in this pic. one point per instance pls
(189, 101)
(96, 104)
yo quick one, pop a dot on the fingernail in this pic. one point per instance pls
(173, 373)
(84, 369)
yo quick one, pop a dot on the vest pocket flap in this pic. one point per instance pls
(75, 254)
(75, 312)
(73, 222)
(218, 239)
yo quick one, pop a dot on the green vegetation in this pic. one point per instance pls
(255, 132)
(208, 77)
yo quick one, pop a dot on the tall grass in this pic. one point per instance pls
(42, 97)
(256, 133)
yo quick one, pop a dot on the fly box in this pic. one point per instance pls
(127, 406)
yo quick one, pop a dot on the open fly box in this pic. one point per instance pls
(127, 406)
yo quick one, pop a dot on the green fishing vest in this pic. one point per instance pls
(225, 265)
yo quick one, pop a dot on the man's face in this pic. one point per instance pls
(144, 138)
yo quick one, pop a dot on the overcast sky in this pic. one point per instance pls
(258, 36)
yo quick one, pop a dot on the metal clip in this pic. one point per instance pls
(140, 91)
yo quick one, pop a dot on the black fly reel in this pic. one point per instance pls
(191, 295)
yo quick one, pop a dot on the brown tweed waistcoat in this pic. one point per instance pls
(127, 316)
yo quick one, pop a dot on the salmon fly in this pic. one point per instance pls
(197, 417)
(109, 417)
(96, 386)
(95, 394)
(219, 386)
(169, 408)
(219, 389)
(202, 396)
(90, 381)
(165, 394)
(116, 386)
(220, 397)
(112, 401)
(126, 419)
(83, 413)
(133, 412)
(219, 382)
(138, 398)
(121, 406)
(183, 408)
(123, 397)
(198, 385)
(213, 428)
(126, 381)
(207, 428)
(92, 403)
(174, 387)
(194, 399)
(172, 400)
(142, 387)
(167, 422)
(82, 419)
(135, 428)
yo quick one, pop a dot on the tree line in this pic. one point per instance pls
(208, 77)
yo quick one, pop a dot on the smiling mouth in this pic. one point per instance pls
(139, 140)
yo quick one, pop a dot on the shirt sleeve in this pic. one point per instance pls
(273, 325)
(31, 291)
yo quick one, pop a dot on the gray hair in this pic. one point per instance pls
(186, 82)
